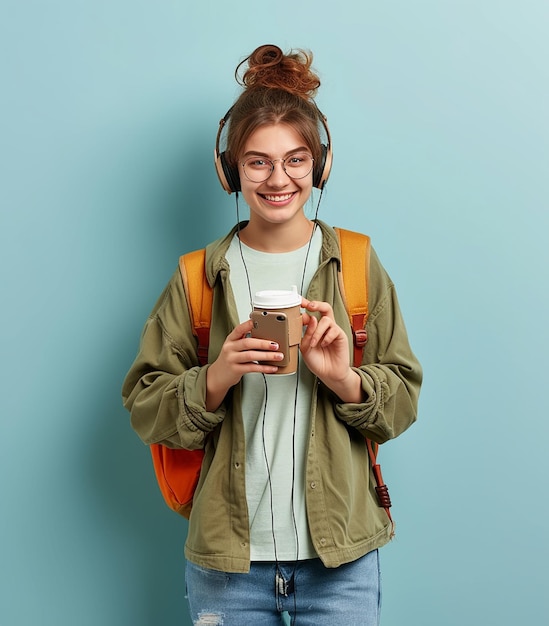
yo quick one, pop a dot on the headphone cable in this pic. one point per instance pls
(279, 577)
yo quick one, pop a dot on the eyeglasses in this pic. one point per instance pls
(258, 169)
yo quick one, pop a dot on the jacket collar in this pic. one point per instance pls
(216, 251)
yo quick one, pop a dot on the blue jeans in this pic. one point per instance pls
(311, 594)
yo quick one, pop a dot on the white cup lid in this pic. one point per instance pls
(277, 298)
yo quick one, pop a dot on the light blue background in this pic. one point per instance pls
(438, 111)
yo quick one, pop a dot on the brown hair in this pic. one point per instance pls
(278, 89)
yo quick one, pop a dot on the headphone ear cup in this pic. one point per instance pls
(228, 175)
(322, 172)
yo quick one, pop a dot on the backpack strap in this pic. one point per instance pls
(355, 271)
(199, 298)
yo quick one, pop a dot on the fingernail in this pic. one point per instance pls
(274, 345)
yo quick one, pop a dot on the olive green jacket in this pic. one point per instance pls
(165, 392)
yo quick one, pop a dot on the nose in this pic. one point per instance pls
(278, 177)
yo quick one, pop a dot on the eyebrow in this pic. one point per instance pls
(268, 156)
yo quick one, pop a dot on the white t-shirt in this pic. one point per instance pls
(276, 413)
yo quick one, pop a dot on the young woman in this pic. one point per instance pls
(285, 516)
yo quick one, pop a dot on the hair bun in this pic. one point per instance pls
(266, 56)
(270, 68)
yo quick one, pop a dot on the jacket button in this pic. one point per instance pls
(322, 542)
(237, 465)
(313, 485)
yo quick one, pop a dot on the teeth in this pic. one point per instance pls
(279, 198)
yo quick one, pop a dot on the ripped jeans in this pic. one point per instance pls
(304, 593)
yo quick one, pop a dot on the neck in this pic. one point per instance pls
(277, 237)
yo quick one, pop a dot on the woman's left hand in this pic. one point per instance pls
(325, 350)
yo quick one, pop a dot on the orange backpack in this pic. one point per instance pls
(178, 470)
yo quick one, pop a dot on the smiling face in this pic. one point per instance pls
(279, 199)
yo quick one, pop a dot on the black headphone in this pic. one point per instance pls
(230, 178)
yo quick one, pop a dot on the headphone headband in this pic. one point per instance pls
(230, 178)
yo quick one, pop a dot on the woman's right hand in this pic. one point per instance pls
(239, 355)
